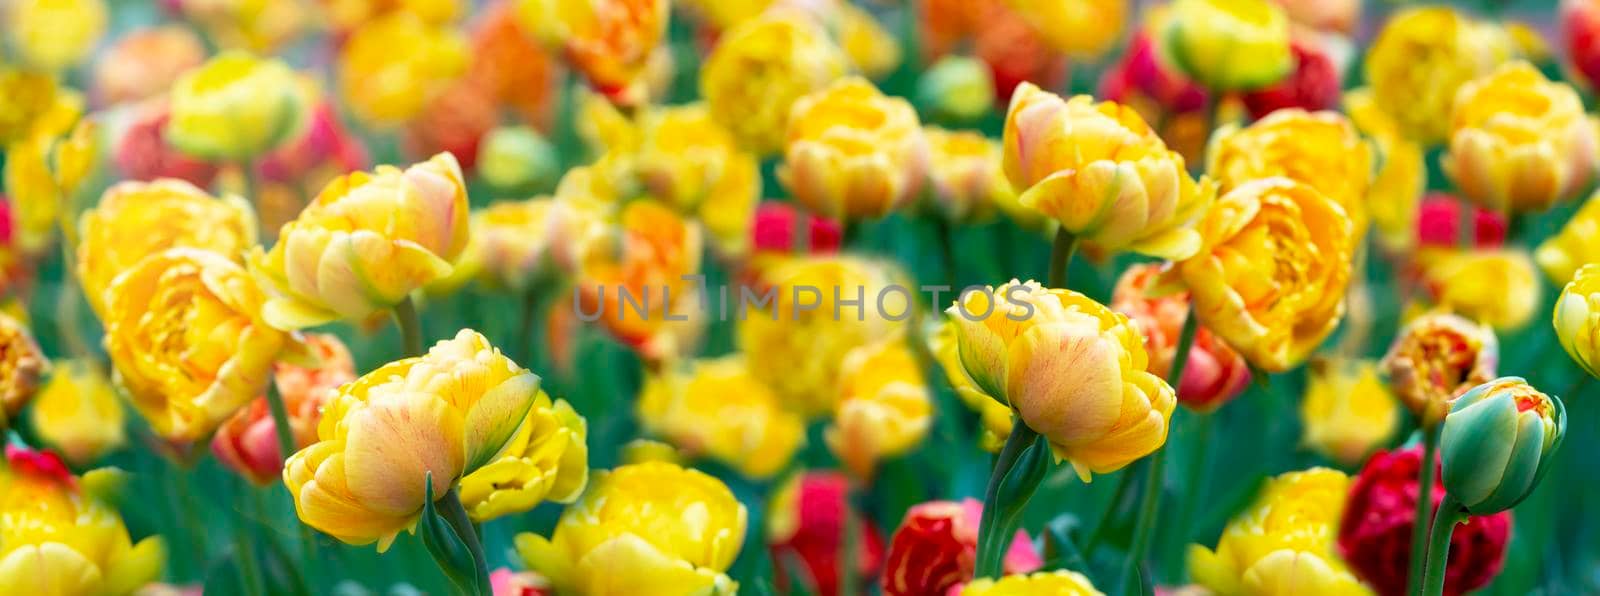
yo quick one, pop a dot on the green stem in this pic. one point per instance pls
(1204, 424)
(280, 423)
(405, 315)
(946, 250)
(1419, 532)
(1150, 501)
(849, 580)
(456, 515)
(1061, 253)
(530, 312)
(1444, 523)
(244, 543)
(1123, 484)
(994, 530)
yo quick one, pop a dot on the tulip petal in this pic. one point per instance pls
(1465, 439)
(495, 418)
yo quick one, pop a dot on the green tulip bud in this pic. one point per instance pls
(1497, 442)
(956, 89)
(517, 159)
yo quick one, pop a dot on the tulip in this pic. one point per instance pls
(61, 537)
(852, 152)
(1577, 318)
(1439, 223)
(956, 88)
(1101, 172)
(1347, 411)
(505, 582)
(324, 149)
(1321, 149)
(235, 107)
(964, 174)
(757, 71)
(22, 365)
(609, 41)
(1323, 15)
(511, 243)
(1283, 543)
(1214, 373)
(1421, 56)
(1376, 529)
(1271, 273)
(1518, 141)
(247, 443)
(870, 48)
(393, 66)
(1160, 93)
(144, 153)
(1579, 23)
(43, 172)
(805, 524)
(186, 334)
(1561, 255)
(78, 413)
(1496, 443)
(1083, 29)
(643, 528)
(513, 66)
(134, 220)
(251, 25)
(657, 251)
(774, 226)
(1313, 84)
(934, 549)
(54, 34)
(1401, 175)
(517, 158)
(1498, 287)
(458, 410)
(29, 97)
(365, 243)
(1228, 45)
(1074, 371)
(1060, 582)
(993, 414)
(144, 63)
(690, 161)
(884, 408)
(717, 408)
(1436, 358)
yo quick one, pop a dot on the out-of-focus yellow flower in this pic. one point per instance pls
(994, 414)
(639, 451)
(461, 409)
(802, 319)
(235, 107)
(392, 67)
(1421, 57)
(343, 15)
(1283, 543)
(1104, 174)
(44, 171)
(22, 364)
(1519, 142)
(651, 528)
(78, 413)
(1228, 45)
(759, 69)
(25, 97)
(609, 41)
(1577, 318)
(1270, 279)
(958, 88)
(263, 26)
(724, 14)
(365, 243)
(1437, 357)
(54, 34)
(1321, 149)
(883, 410)
(1074, 370)
(1402, 175)
(637, 289)
(1347, 410)
(1578, 243)
(185, 331)
(1498, 287)
(1323, 15)
(964, 173)
(137, 219)
(690, 161)
(871, 49)
(59, 537)
(512, 242)
(718, 409)
(586, 202)
(1043, 583)
(852, 152)
(1081, 28)
(145, 62)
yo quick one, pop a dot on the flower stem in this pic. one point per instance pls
(456, 515)
(1419, 531)
(405, 315)
(995, 529)
(1060, 258)
(1444, 524)
(280, 423)
(1204, 424)
(532, 299)
(1100, 529)
(1150, 501)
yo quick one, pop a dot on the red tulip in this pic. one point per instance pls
(936, 547)
(809, 532)
(1312, 85)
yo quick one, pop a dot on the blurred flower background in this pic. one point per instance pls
(341, 297)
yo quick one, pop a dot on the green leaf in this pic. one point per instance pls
(449, 551)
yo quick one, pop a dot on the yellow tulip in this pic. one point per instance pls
(1270, 278)
(1578, 243)
(609, 41)
(263, 26)
(1283, 543)
(78, 412)
(884, 410)
(1104, 174)
(1518, 141)
(1436, 358)
(43, 172)
(760, 68)
(59, 537)
(688, 160)
(1228, 45)
(964, 174)
(993, 414)
(55, 34)
(1080, 28)
(649, 528)
(1395, 194)
(25, 97)
(22, 365)
(871, 49)
(716, 408)
(185, 332)
(852, 152)
(365, 243)
(512, 241)
(1421, 57)
(1321, 149)
(137, 219)
(459, 410)
(1074, 371)
(393, 66)
(1577, 318)
(1347, 410)
(235, 107)
(1042, 583)
(1498, 287)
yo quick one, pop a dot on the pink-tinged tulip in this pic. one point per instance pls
(1215, 373)
(805, 524)
(247, 442)
(852, 152)
(144, 153)
(936, 548)
(145, 63)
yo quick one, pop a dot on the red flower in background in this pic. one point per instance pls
(39, 463)
(1580, 37)
(1003, 39)
(1139, 73)
(143, 153)
(1375, 534)
(512, 67)
(1439, 222)
(935, 550)
(810, 533)
(774, 227)
(325, 143)
(1313, 85)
